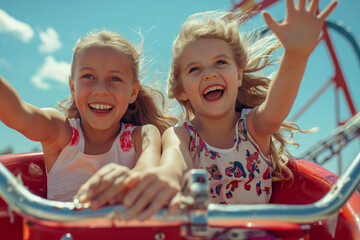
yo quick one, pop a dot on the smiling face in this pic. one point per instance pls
(103, 86)
(210, 77)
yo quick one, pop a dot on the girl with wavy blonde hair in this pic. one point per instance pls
(234, 125)
(108, 143)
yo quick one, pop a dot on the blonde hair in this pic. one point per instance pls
(145, 109)
(252, 53)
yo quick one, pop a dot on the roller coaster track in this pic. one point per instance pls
(335, 142)
(347, 130)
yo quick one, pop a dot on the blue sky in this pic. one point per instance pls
(37, 38)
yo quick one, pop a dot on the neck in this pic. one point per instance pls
(219, 131)
(98, 141)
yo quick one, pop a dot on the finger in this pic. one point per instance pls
(116, 188)
(118, 199)
(87, 189)
(136, 193)
(175, 203)
(301, 4)
(326, 12)
(132, 181)
(272, 24)
(157, 203)
(129, 183)
(290, 7)
(142, 202)
(313, 6)
(100, 183)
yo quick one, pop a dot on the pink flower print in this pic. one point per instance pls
(75, 137)
(229, 195)
(218, 189)
(258, 188)
(202, 146)
(232, 185)
(267, 190)
(128, 125)
(267, 174)
(214, 171)
(213, 154)
(192, 140)
(251, 160)
(126, 141)
(212, 193)
(237, 169)
(193, 144)
(242, 130)
(247, 185)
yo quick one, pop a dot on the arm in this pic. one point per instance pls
(299, 34)
(176, 156)
(110, 183)
(144, 190)
(47, 126)
(161, 185)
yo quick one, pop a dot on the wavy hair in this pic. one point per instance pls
(252, 53)
(148, 108)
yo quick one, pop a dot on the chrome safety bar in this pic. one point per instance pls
(308, 213)
(22, 201)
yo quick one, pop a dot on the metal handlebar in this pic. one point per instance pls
(22, 201)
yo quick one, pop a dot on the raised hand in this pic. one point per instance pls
(299, 32)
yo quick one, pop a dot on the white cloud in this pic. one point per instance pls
(49, 41)
(51, 71)
(10, 25)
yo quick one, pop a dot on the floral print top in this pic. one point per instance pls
(239, 175)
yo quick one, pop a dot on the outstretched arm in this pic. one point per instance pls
(47, 126)
(161, 185)
(299, 35)
(36, 124)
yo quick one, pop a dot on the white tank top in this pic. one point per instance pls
(238, 175)
(73, 168)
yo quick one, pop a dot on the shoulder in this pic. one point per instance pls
(177, 134)
(245, 112)
(148, 131)
(263, 141)
(66, 134)
(62, 126)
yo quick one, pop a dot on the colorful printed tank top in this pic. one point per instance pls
(239, 175)
(73, 168)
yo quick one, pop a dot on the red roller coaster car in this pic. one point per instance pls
(317, 205)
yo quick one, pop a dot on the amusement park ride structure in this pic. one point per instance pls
(332, 144)
(317, 204)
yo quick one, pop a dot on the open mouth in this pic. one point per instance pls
(101, 107)
(213, 93)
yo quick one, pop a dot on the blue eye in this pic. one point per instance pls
(115, 79)
(221, 62)
(193, 69)
(88, 76)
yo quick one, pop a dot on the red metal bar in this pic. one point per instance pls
(314, 97)
(339, 77)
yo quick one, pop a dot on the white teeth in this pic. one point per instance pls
(100, 106)
(210, 89)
